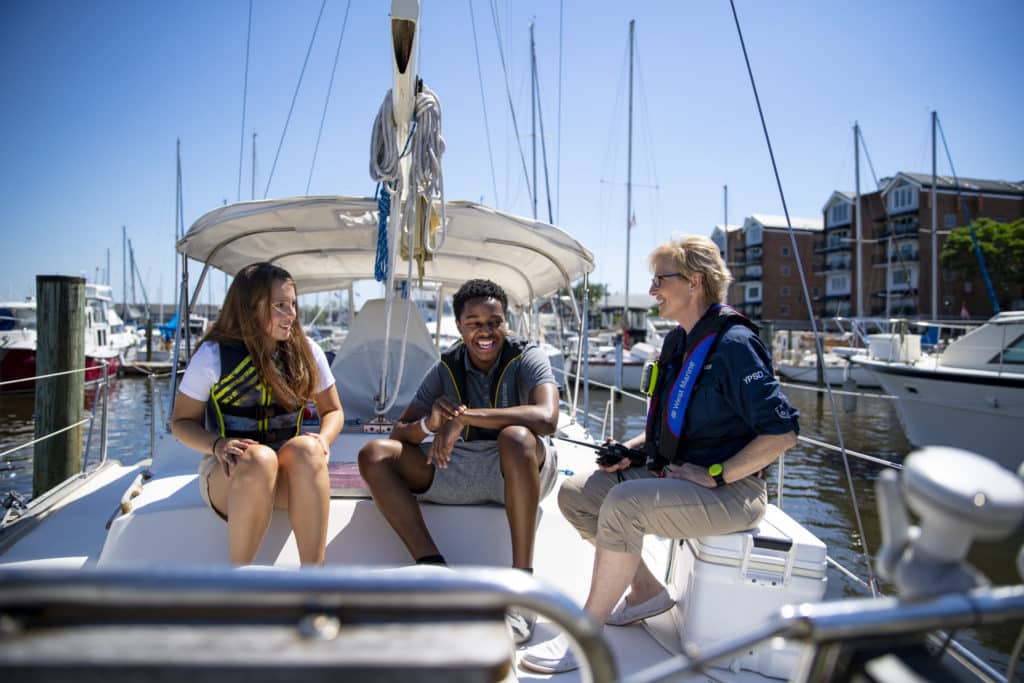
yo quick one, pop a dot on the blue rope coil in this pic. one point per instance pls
(380, 266)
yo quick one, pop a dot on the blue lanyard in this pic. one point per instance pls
(682, 388)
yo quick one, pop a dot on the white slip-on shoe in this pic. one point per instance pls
(550, 657)
(625, 614)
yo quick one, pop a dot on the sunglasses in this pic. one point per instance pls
(656, 281)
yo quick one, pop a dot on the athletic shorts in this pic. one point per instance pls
(473, 475)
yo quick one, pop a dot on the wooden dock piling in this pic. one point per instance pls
(59, 401)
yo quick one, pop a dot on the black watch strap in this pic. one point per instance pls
(717, 472)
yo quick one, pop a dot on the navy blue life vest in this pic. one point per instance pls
(680, 366)
(242, 406)
(504, 394)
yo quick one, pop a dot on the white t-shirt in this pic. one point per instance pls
(203, 370)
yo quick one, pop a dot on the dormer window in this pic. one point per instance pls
(903, 198)
(754, 235)
(839, 214)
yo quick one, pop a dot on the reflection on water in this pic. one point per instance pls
(817, 491)
(128, 428)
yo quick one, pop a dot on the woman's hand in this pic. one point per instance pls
(320, 440)
(623, 464)
(227, 450)
(695, 473)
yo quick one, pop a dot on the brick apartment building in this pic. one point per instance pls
(896, 246)
(764, 268)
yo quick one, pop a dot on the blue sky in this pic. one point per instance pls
(96, 93)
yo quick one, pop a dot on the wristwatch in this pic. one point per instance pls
(715, 471)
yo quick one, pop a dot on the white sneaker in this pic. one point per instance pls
(550, 657)
(521, 623)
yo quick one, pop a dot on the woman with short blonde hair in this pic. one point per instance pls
(694, 254)
(716, 420)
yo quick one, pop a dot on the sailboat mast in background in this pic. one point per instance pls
(935, 224)
(629, 177)
(533, 113)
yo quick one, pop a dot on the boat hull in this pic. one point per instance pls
(603, 372)
(20, 364)
(833, 375)
(982, 415)
(17, 364)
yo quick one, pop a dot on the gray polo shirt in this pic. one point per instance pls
(534, 369)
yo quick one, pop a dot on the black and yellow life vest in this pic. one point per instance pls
(241, 405)
(504, 392)
(680, 366)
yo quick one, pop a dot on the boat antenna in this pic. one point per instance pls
(245, 97)
(814, 325)
(327, 100)
(295, 95)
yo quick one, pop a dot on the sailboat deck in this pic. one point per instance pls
(170, 526)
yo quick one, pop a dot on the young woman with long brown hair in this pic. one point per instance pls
(240, 404)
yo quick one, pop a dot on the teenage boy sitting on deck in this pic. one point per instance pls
(502, 456)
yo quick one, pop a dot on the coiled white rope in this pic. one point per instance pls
(425, 173)
(383, 145)
(425, 147)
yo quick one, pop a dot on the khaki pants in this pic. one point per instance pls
(616, 515)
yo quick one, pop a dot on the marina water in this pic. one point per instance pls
(816, 489)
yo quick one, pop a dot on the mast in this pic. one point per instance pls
(888, 275)
(725, 211)
(533, 113)
(404, 23)
(132, 269)
(124, 273)
(629, 175)
(935, 227)
(177, 212)
(860, 234)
